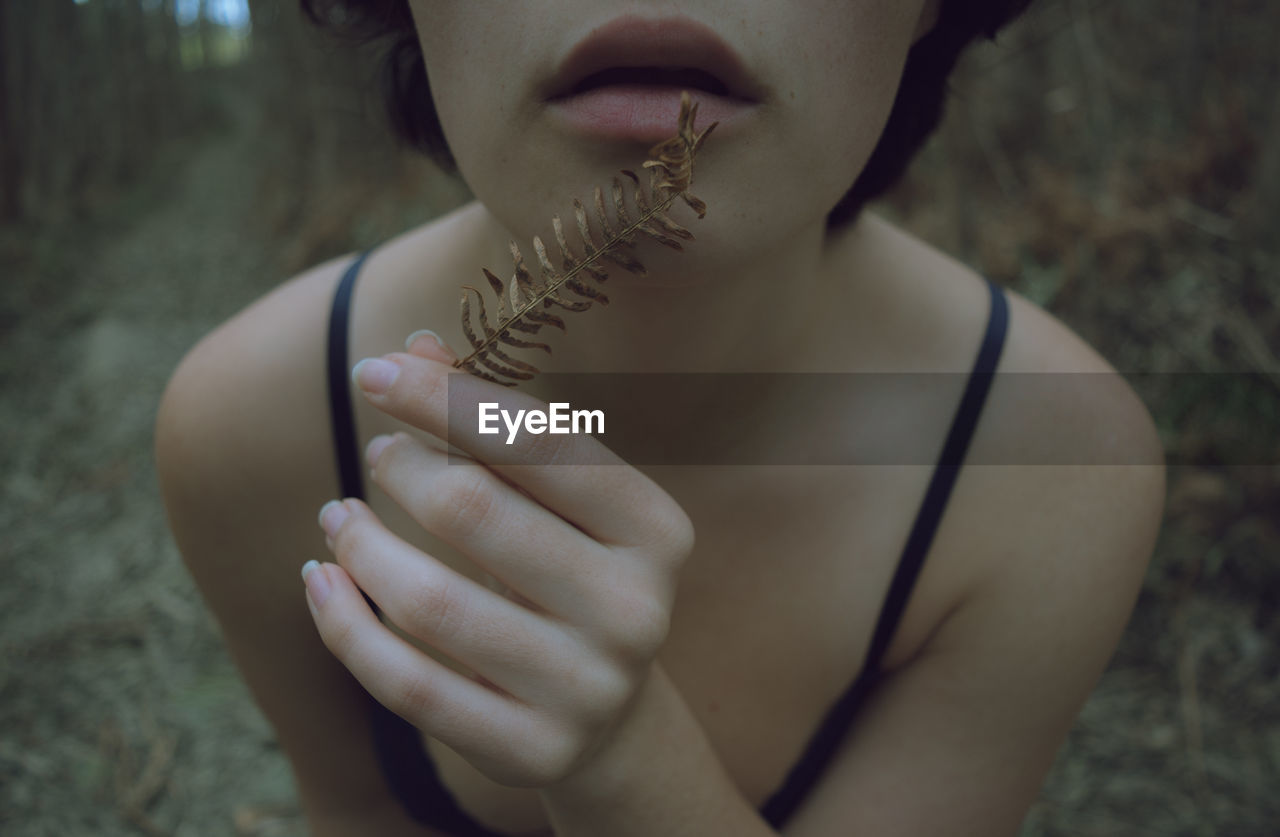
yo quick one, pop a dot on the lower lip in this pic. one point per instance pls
(642, 113)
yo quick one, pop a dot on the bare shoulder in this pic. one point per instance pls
(1062, 437)
(1058, 511)
(1064, 485)
(243, 452)
(238, 431)
(1052, 522)
(1064, 492)
(1062, 402)
(1057, 411)
(247, 379)
(245, 457)
(254, 391)
(1059, 415)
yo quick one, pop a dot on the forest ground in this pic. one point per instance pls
(121, 713)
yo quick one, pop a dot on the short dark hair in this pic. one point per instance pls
(916, 112)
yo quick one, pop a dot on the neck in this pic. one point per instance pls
(820, 304)
(763, 311)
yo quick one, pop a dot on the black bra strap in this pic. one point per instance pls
(345, 441)
(835, 724)
(408, 770)
(944, 479)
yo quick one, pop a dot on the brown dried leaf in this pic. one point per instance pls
(583, 289)
(545, 318)
(511, 340)
(496, 284)
(670, 170)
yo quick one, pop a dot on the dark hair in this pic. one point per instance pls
(916, 112)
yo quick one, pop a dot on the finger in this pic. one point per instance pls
(427, 344)
(502, 641)
(575, 476)
(552, 564)
(478, 722)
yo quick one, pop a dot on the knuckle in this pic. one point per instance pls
(347, 544)
(546, 449)
(605, 689)
(468, 501)
(551, 754)
(638, 625)
(413, 698)
(674, 536)
(339, 637)
(424, 386)
(435, 611)
(648, 625)
(387, 468)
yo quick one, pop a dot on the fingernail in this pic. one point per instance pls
(376, 446)
(332, 515)
(424, 332)
(317, 583)
(375, 375)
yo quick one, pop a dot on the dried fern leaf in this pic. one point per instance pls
(566, 304)
(509, 340)
(499, 361)
(523, 286)
(467, 328)
(584, 229)
(549, 273)
(569, 260)
(603, 218)
(583, 289)
(545, 318)
(523, 300)
(626, 261)
(496, 284)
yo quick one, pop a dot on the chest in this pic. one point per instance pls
(773, 614)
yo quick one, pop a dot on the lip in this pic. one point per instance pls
(645, 110)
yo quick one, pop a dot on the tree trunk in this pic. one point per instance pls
(12, 60)
(207, 35)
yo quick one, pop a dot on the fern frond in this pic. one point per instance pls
(522, 301)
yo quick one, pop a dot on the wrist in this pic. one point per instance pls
(656, 774)
(631, 747)
(634, 753)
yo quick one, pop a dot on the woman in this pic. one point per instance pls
(642, 650)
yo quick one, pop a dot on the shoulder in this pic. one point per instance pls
(260, 376)
(1064, 472)
(1056, 411)
(1045, 544)
(1059, 507)
(1064, 491)
(242, 395)
(246, 413)
(1057, 511)
(1059, 414)
(1064, 484)
(243, 453)
(1061, 434)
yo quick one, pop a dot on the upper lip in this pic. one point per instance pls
(665, 43)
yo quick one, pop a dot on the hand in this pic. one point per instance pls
(589, 551)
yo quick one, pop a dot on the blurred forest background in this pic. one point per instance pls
(165, 162)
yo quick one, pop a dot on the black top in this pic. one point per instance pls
(405, 762)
